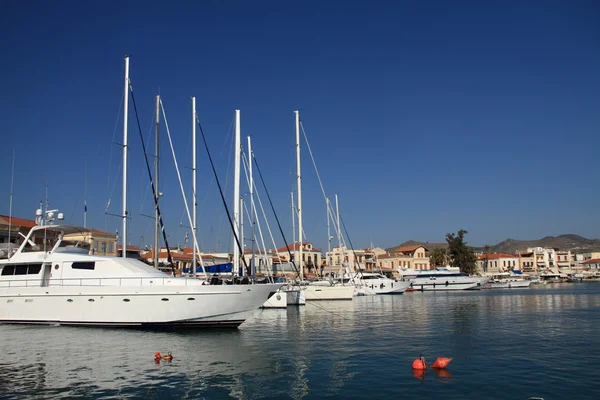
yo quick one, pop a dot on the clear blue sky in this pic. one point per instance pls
(424, 117)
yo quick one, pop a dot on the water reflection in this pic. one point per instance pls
(326, 349)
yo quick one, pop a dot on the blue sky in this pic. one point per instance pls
(424, 117)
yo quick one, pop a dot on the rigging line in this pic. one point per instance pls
(276, 218)
(152, 126)
(162, 225)
(212, 164)
(351, 246)
(111, 147)
(263, 211)
(255, 218)
(313, 161)
(194, 235)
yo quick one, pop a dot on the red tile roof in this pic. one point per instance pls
(592, 261)
(21, 222)
(496, 256)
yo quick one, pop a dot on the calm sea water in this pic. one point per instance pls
(506, 344)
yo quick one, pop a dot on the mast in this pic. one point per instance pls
(125, 110)
(329, 237)
(299, 183)
(244, 272)
(252, 219)
(156, 192)
(12, 180)
(236, 194)
(195, 203)
(84, 198)
(337, 211)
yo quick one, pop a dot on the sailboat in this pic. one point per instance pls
(317, 290)
(50, 281)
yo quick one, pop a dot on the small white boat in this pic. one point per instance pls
(379, 284)
(507, 280)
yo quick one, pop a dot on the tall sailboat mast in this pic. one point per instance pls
(252, 213)
(299, 183)
(125, 111)
(156, 176)
(195, 203)
(236, 194)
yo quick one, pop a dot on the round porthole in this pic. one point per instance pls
(278, 297)
(56, 266)
(164, 299)
(91, 300)
(70, 300)
(191, 298)
(126, 300)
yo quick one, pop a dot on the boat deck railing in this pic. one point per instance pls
(103, 282)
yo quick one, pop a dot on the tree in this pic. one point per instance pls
(439, 257)
(461, 255)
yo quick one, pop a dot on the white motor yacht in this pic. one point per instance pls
(442, 279)
(379, 284)
(508, 280)
(49, 281)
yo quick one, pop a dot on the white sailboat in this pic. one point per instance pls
(318, 290)
(50, 281)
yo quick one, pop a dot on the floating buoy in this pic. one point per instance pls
(419, 363)
(441, 362)
(168, 357)
(157, 356)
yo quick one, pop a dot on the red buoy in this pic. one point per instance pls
(419, 363)
(157, 356)
(441, 362)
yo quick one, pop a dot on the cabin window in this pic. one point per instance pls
(21, 269)
(83, 265)
(8, 270)
(34, 269)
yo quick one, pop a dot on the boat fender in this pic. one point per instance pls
(419, 363)
(441, 362)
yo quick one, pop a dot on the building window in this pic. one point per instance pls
(103, 247)
(111, 247)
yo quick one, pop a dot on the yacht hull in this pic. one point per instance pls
(318, 292)
(193, 306)
(511, 285)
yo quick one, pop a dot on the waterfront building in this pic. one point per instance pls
(312, 258)
(404, 257)
(527, 263)
(364, 259)
(98, 242)
(497, 263)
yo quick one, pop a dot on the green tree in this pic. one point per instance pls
(461, 255)
(439, 257)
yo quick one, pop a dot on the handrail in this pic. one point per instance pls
(100, 282)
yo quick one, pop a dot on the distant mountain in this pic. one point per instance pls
(575, 243)
(427, 245)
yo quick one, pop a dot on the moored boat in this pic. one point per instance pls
(52, 281)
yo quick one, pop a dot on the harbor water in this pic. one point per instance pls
(505, 344)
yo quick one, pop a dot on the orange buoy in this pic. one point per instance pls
(157, 356)
(441, 362)
(168, 357)
(419, 363)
